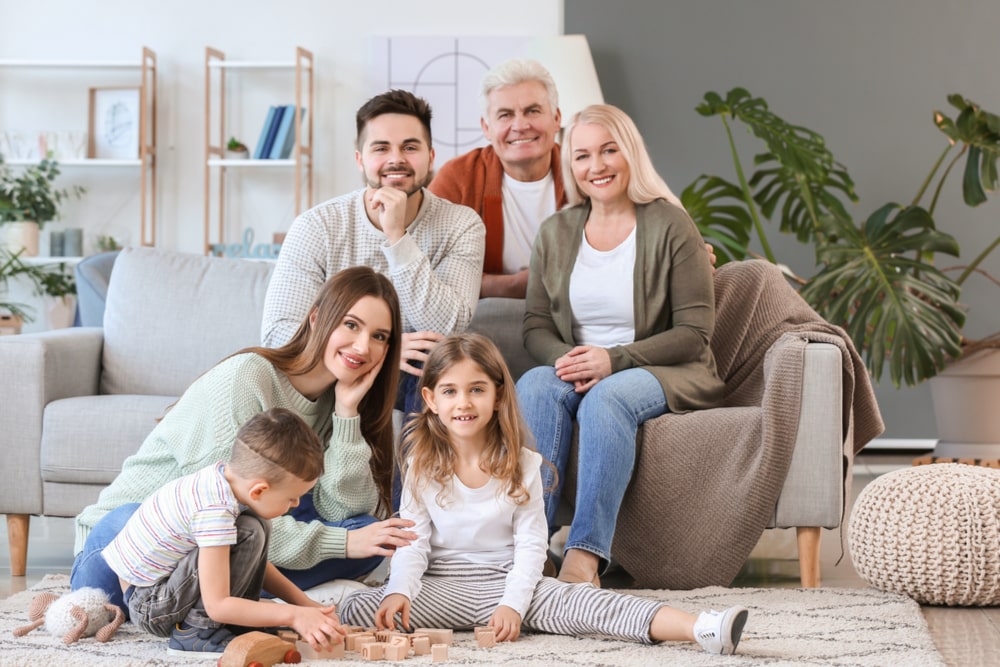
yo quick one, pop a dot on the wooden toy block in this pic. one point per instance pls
(373, 650)
(400, 640)
(437, 635)
(363, 641)
(260, 648)
(486, 637)
(396, 652)
(421, 645)
(439, 653)
(350, 641)
(309, 653)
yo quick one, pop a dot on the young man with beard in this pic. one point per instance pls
(431, 249)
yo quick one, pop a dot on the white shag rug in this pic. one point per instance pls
(825, 626)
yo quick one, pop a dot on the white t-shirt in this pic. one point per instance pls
(601, 294)
(525, 206)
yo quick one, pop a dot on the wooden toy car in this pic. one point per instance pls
(258, 649)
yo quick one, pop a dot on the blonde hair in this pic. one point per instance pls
(644, 185)
(427, 448)
(274, 444)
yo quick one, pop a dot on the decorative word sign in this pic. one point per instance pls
(246, 249)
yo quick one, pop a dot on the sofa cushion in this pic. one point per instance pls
(85, 439)
(171, 316)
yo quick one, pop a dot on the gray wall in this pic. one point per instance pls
(866, 74)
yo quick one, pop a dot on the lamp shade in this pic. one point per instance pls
(568, 59)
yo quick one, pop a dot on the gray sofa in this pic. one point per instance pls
(78, 401)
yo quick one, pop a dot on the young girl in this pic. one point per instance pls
(473, 489)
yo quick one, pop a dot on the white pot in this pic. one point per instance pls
(966, 399)
(21, 236)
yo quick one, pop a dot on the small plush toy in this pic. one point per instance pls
(86, 612)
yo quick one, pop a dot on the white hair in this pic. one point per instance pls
(512, 72)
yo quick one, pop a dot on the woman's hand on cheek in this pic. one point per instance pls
(348, 395)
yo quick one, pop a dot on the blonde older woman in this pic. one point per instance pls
(620, 309)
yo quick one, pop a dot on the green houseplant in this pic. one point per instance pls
(54, 280)
(876, 278)
(29, 197)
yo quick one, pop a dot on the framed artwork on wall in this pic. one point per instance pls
(113, 129)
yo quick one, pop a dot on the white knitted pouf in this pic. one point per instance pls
(930, 532)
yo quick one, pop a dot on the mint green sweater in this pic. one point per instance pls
(200, 429)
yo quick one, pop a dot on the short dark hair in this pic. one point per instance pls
(395, 101)
(275, 443)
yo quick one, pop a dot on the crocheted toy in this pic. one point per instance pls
(86, 612)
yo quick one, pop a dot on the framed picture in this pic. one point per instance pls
(114, 123)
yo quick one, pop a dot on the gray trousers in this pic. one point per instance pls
(157, 608)
(462, 595)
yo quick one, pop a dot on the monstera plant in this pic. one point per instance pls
(876, 278)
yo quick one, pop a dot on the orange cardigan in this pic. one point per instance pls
(474, 179)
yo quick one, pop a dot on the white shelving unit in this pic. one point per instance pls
(216, 70)
(145, 162)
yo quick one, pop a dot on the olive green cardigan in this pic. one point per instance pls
(674, 301)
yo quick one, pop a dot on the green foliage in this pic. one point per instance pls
(30, 194)
(48, 279)
(877, 279)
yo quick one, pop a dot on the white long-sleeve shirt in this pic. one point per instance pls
(477, 525)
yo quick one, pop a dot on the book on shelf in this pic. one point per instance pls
(284, 142)
(258, 152)
(272, 131)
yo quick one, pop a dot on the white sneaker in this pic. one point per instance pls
(334, 592)
(719, 632)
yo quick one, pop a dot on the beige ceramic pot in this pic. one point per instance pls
(966, 399)
(20, 236)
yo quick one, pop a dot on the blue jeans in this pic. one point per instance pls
(608, 415)
(89, 567)
(332, 568)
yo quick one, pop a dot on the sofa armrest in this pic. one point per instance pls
(813, 492)
(38, 369)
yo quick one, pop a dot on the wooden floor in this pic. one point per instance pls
(965, 636)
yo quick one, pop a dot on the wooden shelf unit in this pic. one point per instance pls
(146, 161)
(216, 67)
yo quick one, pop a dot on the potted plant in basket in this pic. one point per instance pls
(28, 200)
(878, 278)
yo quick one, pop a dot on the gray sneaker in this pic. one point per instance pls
(719, 632)
(191, 642)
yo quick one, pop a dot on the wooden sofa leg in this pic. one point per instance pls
(808, 539)
(17, 537)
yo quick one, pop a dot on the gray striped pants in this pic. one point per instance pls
(462, 595)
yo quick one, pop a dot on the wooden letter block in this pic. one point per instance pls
(309, 653)
(372, 650)
(439, 653)
(437, 635)
(397, 651)
(486, 637)
(421, 645)
(351, 640)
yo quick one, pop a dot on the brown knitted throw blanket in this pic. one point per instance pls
(706, 482)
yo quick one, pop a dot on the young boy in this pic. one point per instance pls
(192, 560)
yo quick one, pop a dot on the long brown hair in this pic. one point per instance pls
(427, 444)
(307, 346)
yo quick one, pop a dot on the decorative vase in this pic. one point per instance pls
(21, 237)
(965, 397)
(61, 311)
